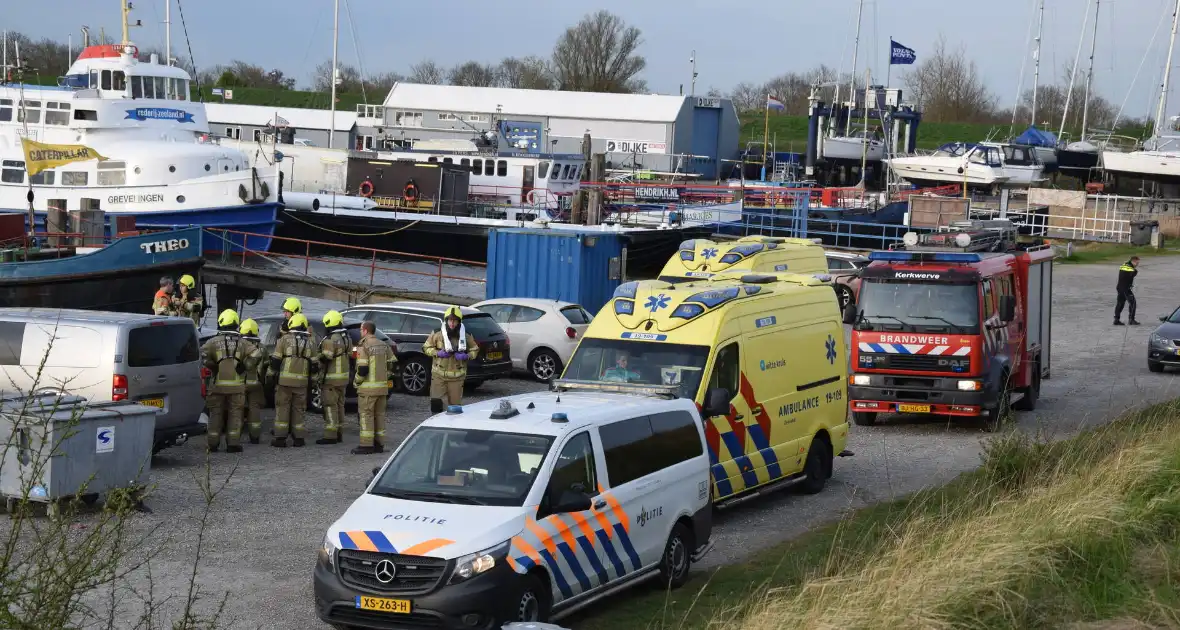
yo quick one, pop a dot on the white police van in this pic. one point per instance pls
(522, 509)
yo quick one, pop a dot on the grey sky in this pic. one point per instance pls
(732, 45)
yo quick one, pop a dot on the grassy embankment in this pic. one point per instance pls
(1084, 252)
(789, 133)
(1081, 533)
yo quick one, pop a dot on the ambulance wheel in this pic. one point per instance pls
(677, 559)
(818, 467)
(532, 604)
(864, 418)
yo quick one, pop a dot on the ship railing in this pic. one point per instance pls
(837, 233)
(50, 244)
(345, 259)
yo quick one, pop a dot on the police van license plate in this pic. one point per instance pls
(495, 356)
(913, 408)
(152, 402)
(381, 604)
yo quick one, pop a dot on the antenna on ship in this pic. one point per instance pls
(127, 7)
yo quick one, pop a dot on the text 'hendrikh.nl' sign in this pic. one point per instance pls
(159, 113)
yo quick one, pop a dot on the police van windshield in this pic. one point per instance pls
(919, 306)
(639, 362)
(464, 466)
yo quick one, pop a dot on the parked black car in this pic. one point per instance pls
(268, 333)
(410, 323)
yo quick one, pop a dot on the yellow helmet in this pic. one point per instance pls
(453, 311)
(188, 281)
(249, 327)
(228, 317)
(297, 322)
(333, 319)
(292, 304)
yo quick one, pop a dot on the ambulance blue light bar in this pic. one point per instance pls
(904, 256)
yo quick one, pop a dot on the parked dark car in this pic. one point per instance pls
(268, 333)
(410, 323)
(1163, 348)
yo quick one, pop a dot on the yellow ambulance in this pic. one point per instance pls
(762, 355)
(701, 258)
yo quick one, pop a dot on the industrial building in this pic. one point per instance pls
(255, 122)
(643, 131)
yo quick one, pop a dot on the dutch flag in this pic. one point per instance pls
(774, 103)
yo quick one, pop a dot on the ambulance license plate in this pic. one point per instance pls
(152, 402)
(381, 604)
(495, 356)
(913, 408)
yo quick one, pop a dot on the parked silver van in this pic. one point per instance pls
(149, 359)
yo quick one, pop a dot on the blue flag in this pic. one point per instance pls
(900, 55)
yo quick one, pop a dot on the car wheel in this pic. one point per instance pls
(315, 398)
(864, 418)
(532, 602)
(677, 558)
(544, 365)
(844, 296)
(416, 376)
(1155, 366)
(818, 467)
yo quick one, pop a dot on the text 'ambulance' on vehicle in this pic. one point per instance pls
(522, 509)
(701, 259)
(763, 355)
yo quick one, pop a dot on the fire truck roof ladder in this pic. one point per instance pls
(965, 236)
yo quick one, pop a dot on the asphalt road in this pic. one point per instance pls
(266, 525)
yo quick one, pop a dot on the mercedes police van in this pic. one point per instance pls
(522, 509)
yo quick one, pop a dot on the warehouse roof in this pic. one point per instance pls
(589, 105)
(261, 115)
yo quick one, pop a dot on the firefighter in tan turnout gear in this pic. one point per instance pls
(189, 303)
(374, 373)
(293, 359)
(230, 357)
(451, 349)
(334, 351)
(255, 396)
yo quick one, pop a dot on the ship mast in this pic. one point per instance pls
(1090, 72)
(852, 80)
(335, 46)
(1159, 113)
(1037, 62)
(168, 32)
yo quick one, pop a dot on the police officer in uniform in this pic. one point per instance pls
(334, 350)
(190, 303)
(291, 307)
(374, 369)
(230, 357)
(162, 303)
(293, 360)
(1127, 274)
(255, 396)
(452, 347)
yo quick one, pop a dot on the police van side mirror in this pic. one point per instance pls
(717, 402)
(376, 469)
(1007, 308)
(850, 314)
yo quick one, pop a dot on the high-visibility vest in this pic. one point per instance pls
(379, 358)
(334, 351)
(162, 304)
(295, 350)
(222, 355)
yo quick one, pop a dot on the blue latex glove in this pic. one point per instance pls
(462, 356)
(443, 354)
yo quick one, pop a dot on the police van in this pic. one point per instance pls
(699, 259)
(764, 356)
(522, 509)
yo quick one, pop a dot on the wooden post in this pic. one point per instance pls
(597, 174)
(56, 220)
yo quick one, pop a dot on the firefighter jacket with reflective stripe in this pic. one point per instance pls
(449, 368)
(254, 375)
(162, 304)
(296, 350)
(1127, 275)
(378, 357)
(223, 354)
(334, 350)
(190, 308)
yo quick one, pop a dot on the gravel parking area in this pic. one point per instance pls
(265, 527)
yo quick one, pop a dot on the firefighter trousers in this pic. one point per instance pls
(445, 392)
(371, 412)
(333, 399)
(1125, 296)
(290, 409)
(255, 401)
(225, 417)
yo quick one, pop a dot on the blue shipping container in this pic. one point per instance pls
(583, 267)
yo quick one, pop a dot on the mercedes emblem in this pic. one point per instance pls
(385, 571)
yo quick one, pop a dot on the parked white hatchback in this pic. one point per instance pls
(543, 333)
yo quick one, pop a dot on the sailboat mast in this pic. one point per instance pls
(1090, 72)
(1037, 61)
(335, 46)
(1073, 73)
(852, 79)
(167, 32)
(1159, 113)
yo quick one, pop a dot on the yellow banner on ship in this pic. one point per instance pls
(40, 156)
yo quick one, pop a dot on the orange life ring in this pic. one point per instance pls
(410, 192)
(531, 198)
(366, 189)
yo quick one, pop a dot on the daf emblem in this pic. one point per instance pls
(385, 571)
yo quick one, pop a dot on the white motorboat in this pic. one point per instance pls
(953, 163)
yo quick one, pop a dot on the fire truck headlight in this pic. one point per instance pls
(860, 379)
(970, 386)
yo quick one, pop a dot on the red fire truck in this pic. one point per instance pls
(956, 322)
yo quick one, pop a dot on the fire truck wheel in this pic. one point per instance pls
(999, 415)
(1028, 401)
(864, 418)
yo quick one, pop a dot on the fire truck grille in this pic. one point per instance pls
(914, 362)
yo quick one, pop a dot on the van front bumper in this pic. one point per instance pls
(943, 399)
(474, 604)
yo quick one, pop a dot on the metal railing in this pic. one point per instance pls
(352, 257)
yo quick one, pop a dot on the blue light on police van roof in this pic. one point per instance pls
(627, 289)
(454, 409)
(559, 417)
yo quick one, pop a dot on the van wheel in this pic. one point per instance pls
(864, 418)
(1028, 402)
(532, 604)
(677, 558)
(818, 467)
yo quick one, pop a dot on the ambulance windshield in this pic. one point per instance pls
(639, 362)
(464, 466)
(919, 306)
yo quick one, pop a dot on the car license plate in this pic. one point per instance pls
(495, 356)
(152, 402)
(913, 408)
(381, 604)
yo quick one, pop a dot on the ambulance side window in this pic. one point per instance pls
(726, 370)
(573, 472)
